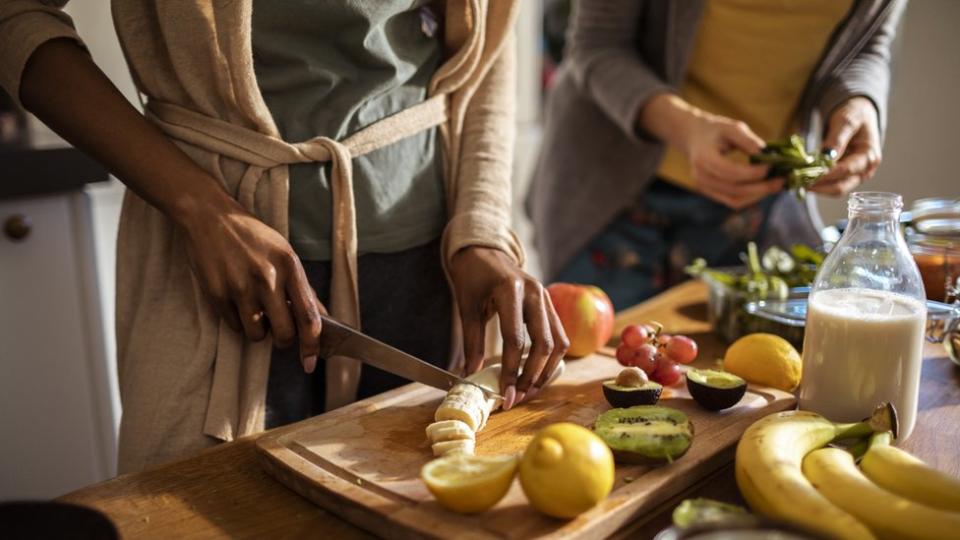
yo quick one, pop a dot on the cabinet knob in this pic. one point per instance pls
(17, 227)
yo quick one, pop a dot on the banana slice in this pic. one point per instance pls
(449, 430)
(467, 412)
(463, 446)
(466, 409)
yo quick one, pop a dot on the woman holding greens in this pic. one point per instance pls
(658, 104)
(293, 158)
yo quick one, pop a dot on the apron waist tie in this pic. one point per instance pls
(263, 152)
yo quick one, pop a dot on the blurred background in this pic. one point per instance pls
(58, 390)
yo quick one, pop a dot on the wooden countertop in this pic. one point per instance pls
(224, 493)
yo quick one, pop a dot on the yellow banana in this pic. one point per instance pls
(767, 468)
(903, 474)
(836, 476)
(750, 493)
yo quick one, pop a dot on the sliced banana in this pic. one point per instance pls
(449, 430)
(463, 446)
(468, 412)
(466, 409)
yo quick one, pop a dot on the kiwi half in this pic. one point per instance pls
(648, 393)
(715, 390)
(646, 434)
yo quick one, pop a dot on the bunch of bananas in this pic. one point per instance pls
(785, 471)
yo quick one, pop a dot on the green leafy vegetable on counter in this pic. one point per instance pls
(789, 159)
(764, 277)
(769, 276)
(694, 512)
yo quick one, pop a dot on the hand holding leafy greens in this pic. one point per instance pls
(789, 159)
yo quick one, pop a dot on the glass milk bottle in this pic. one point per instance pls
(865, 319)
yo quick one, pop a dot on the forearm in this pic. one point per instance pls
(868, 73)
(64, 88)
(670, 118)
(482, 194)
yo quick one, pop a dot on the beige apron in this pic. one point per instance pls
(262, 153)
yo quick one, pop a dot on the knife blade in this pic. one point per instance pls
(338, 339)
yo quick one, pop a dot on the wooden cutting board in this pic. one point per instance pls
(362, 462)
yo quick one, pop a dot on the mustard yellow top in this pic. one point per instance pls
(751, 61)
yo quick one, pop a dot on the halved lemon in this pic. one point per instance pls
(469, 484)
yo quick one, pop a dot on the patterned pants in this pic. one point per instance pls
(644, 250)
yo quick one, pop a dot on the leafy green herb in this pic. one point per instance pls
(766, 277)
(789, 159)
(769, 276)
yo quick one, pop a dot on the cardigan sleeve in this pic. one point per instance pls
(483, 199)
(24, 26)
(604, 62)
(868, 72)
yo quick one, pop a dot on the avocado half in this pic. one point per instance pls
(645, 434)
(715, 390)
(647, 393)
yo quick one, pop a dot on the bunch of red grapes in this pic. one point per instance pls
(658, 354)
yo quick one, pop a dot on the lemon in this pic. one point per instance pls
(764, 359)
(566, 470)
(469, 484)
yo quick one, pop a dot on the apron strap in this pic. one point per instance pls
(262, 153)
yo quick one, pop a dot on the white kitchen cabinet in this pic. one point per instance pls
(57, 425)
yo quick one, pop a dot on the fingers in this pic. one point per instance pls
(474, 330)
(839, 187)
(843, 126)
(251, 316)
(224, 305)
(508, 300)
(742, 137)
(862, 160)
(306, 311)
(734, 195)
(535, 313)
(719, 165)
(560, 345)
(274, 300)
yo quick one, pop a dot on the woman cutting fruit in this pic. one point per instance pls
(289, 161)
(657, 106)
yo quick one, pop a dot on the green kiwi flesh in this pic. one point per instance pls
(645, 434)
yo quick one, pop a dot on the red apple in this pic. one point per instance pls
(586, 314)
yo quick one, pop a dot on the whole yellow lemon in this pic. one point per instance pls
(765, 359)
(566, 470)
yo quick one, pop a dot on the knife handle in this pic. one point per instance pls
(332, 334)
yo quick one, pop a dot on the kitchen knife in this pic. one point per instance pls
(338, 339)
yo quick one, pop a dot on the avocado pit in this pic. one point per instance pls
(631, 387)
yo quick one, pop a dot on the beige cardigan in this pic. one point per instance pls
(186, 379)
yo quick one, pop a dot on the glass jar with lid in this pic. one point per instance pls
(933, 234)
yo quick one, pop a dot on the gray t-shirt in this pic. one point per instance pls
(330, 68)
